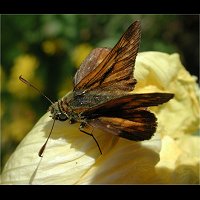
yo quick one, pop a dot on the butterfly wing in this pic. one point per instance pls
(127, 102)
(100, 91)
(128, 116)
(116, 69)
(137, 125)
(90, 63)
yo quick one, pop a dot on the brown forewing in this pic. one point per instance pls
(127, 102)
(116, 69)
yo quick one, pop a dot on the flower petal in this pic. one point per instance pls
(161, 72)
(64, 158)
(69, 155)
(179, 160)
(127, 163)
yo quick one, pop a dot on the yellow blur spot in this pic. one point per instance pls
(80, 53)
(20, 123)
(26, 66)
(50, 47)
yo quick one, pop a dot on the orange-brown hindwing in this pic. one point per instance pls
(137, 125)
(128, 116)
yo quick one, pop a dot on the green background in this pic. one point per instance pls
(49, 48)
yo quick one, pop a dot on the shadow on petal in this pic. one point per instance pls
(68, 154)
(127, 163)
(182, 174)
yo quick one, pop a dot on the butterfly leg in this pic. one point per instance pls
(81, 128)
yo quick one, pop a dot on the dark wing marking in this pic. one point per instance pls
(138, 125)
(116, 70)
(127, 102)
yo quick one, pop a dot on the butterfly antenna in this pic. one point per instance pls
(44, 145)
(31, 85)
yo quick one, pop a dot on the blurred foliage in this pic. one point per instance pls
(47, 49)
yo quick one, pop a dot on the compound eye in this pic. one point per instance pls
(62, 117)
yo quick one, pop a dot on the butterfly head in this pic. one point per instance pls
(57, 113)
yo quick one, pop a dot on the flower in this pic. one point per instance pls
(71, 157)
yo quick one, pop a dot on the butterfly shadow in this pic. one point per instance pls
(71, 136)
(128, 162)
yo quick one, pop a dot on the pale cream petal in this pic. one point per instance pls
(70, 154)
(156, 69)
(127, 163)
(179, 160)
(161, 72)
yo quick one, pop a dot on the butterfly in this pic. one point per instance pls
(102, 96)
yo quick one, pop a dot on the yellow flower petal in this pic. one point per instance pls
(179, 160)
(161, 72)
(156, 69)
(127, 163)
(70, 155)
